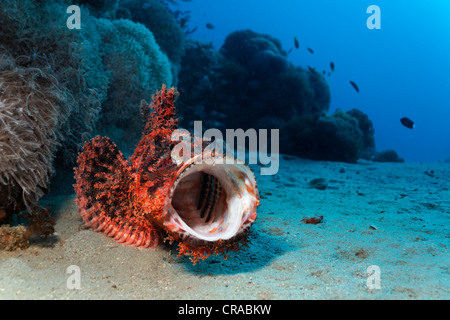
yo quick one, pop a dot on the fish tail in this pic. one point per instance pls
(104, 199)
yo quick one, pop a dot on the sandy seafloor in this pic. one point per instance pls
(407, 205)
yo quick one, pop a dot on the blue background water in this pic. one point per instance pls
(402, 69)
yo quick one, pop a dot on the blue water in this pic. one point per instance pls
(401, 69)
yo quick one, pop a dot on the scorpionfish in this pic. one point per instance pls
(205, 207)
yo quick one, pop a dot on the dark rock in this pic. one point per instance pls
(387, 156)
(319, 184)
(366, 127)
(338, 138)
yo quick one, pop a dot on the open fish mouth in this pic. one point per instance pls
(211, 200)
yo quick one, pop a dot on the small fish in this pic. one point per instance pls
(407, 122)
(310, 50)
(210, 26)
(332, 66)
(296, 43)
(183, 22)
(290, 50)
(354, 86)
(189, 31)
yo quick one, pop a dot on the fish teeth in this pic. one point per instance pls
(210, 192)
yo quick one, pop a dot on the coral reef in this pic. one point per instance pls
(101, 8)
(387, 156)
(51, 88)
(243, 45)
(339, 137)
(249, 83)
(196, 81)
(29, 98)
(268, 84)
(156, 16)
(335, 137)
(138, 68)
(302, 137)
(366, 127)
(152, 198)
(58, 87)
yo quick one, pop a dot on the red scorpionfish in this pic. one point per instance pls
(205, 207)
